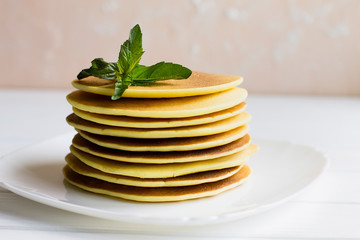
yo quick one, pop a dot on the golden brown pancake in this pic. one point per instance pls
(185, 180)
(197, 84)
(188, 131)
(156, 194)
(167, 144)
(142, 170)
(160, 157)
(136, 122)
(158, 107)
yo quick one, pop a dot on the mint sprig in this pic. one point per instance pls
(127, 71)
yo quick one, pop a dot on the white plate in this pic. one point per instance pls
(280, 170)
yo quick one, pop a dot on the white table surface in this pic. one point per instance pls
(328, 209)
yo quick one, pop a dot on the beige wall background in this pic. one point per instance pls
(279, 46)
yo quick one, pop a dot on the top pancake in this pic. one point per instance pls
(197, 84)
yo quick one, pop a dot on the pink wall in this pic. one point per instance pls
(299, 46)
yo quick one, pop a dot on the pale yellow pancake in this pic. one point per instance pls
(141, 170)
(186, 180)
(159, 194)
(168, 144)
(188, 131)
(136, 122)
(161, 157)
(158, 107)
(197, 84)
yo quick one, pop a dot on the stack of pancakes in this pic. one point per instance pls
(172, 140)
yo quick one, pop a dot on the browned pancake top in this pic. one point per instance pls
(197, 80)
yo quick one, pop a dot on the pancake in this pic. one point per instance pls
(136, 122)
(158, 107)
(186, 180)
(160, 157)
(157, 194)
(188, 131)
(168, 144)
(141, 170)
(197, 84)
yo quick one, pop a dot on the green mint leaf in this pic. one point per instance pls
(131, 51)
(101, 69)
(120, 86)
(159, 71)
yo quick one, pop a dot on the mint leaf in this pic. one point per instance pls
(99, 68)
(131, 51)
(120, 87)
(160, 71)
